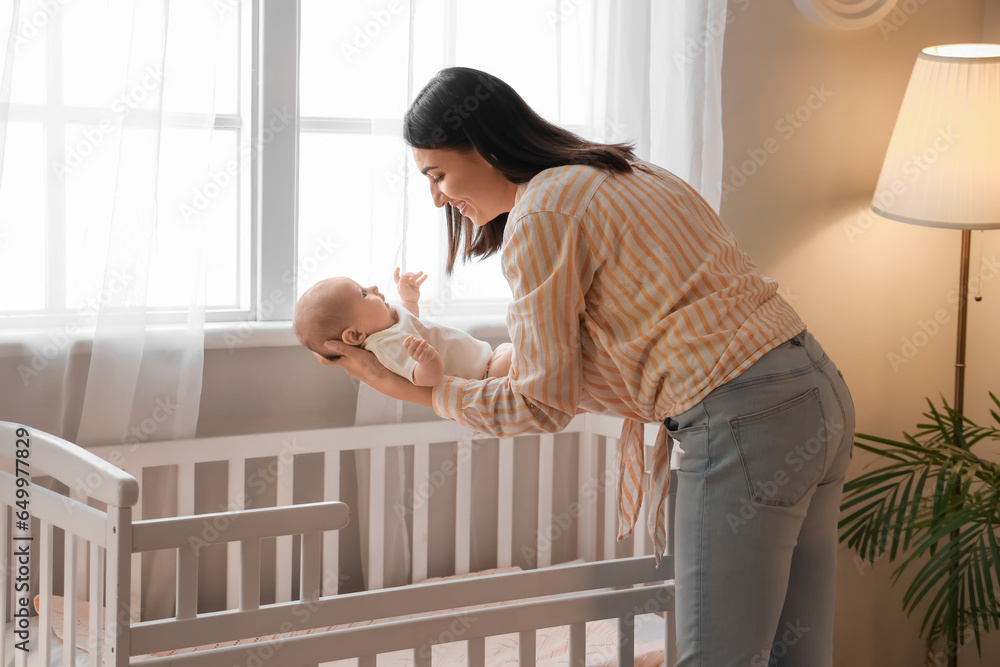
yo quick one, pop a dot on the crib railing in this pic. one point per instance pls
(96, 538)
(242, 456)
(95, 571)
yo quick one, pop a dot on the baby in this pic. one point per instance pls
(423, 353)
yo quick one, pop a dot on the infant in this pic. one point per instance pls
(342, 310)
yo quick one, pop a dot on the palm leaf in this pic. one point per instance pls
(934, 506)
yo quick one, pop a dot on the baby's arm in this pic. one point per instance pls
(429, 370)
(408, 285)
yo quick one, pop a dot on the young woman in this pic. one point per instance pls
(630, 296)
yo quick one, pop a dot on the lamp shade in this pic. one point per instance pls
(942, 168)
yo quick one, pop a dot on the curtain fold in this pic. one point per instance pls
(102, 373)
(685, 91)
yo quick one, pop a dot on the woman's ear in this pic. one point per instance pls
(353, 336)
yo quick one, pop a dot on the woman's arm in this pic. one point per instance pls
(547, 263)
(362, 365)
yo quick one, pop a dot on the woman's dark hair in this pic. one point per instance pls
(464, 109)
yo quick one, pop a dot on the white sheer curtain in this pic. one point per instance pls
(641, 71)
(106, 91)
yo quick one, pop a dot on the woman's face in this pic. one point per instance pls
(467, 182)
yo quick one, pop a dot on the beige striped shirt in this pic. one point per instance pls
(629, 296)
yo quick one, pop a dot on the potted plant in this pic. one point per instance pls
(934, 504)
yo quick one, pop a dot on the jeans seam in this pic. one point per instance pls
(701, 536)
(843, 412)
(773, 377)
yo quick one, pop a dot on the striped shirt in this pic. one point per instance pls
(629, 296)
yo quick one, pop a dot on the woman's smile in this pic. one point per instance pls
(467, 182)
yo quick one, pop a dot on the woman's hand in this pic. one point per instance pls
(362, 365)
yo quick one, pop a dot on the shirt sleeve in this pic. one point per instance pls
(545, 260)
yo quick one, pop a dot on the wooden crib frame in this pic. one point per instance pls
(105, 553)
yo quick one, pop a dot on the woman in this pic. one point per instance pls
(630, 296)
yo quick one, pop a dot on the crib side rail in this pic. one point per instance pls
(188, 531)
(189, 534)
(473, 626)
(72, 465)
(52, 526)
(582, 578)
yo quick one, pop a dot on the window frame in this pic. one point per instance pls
(267, 196)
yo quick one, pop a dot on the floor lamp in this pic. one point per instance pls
(942, 168)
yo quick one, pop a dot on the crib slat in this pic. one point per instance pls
(69, 599)
(463, 505)
(117, 579)
(626, 640)
(250, 574)
(331, 538)
(610, 502)
(505, 503)
(283, 544)
(476, 652)
(185, 489)
(367, 661)
(46, 533)
(587, 484)
(309, 568)
(81, 561)
(96, 639)
(526, 648)
(136, 565)
(545, 528)
(237, 501)
(422, 656)
(376, 520)
(640, 533)
(670, 632)
(187, 581)
(578, 644)
(421, 500)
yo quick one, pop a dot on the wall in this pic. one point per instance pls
(863, 284)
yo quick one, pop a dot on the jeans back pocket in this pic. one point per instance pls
(783, 449)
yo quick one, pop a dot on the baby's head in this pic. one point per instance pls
(342, 310)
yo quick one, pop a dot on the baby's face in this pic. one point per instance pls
(368, 309)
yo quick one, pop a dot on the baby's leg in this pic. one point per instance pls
(500, 364)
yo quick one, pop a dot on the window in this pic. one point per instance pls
(69, 112)
(305, 174)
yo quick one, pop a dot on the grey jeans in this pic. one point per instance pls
(761, 471)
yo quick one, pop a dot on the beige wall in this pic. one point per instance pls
(861, 283)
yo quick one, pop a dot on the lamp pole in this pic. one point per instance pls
(963, 315)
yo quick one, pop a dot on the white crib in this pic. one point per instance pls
(282, 569)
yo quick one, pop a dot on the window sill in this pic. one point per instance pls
(230, 335)
(221, 335)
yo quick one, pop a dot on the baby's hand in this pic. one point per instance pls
(409, 284)
(418, 348)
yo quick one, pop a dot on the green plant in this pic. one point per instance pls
(935, 505)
